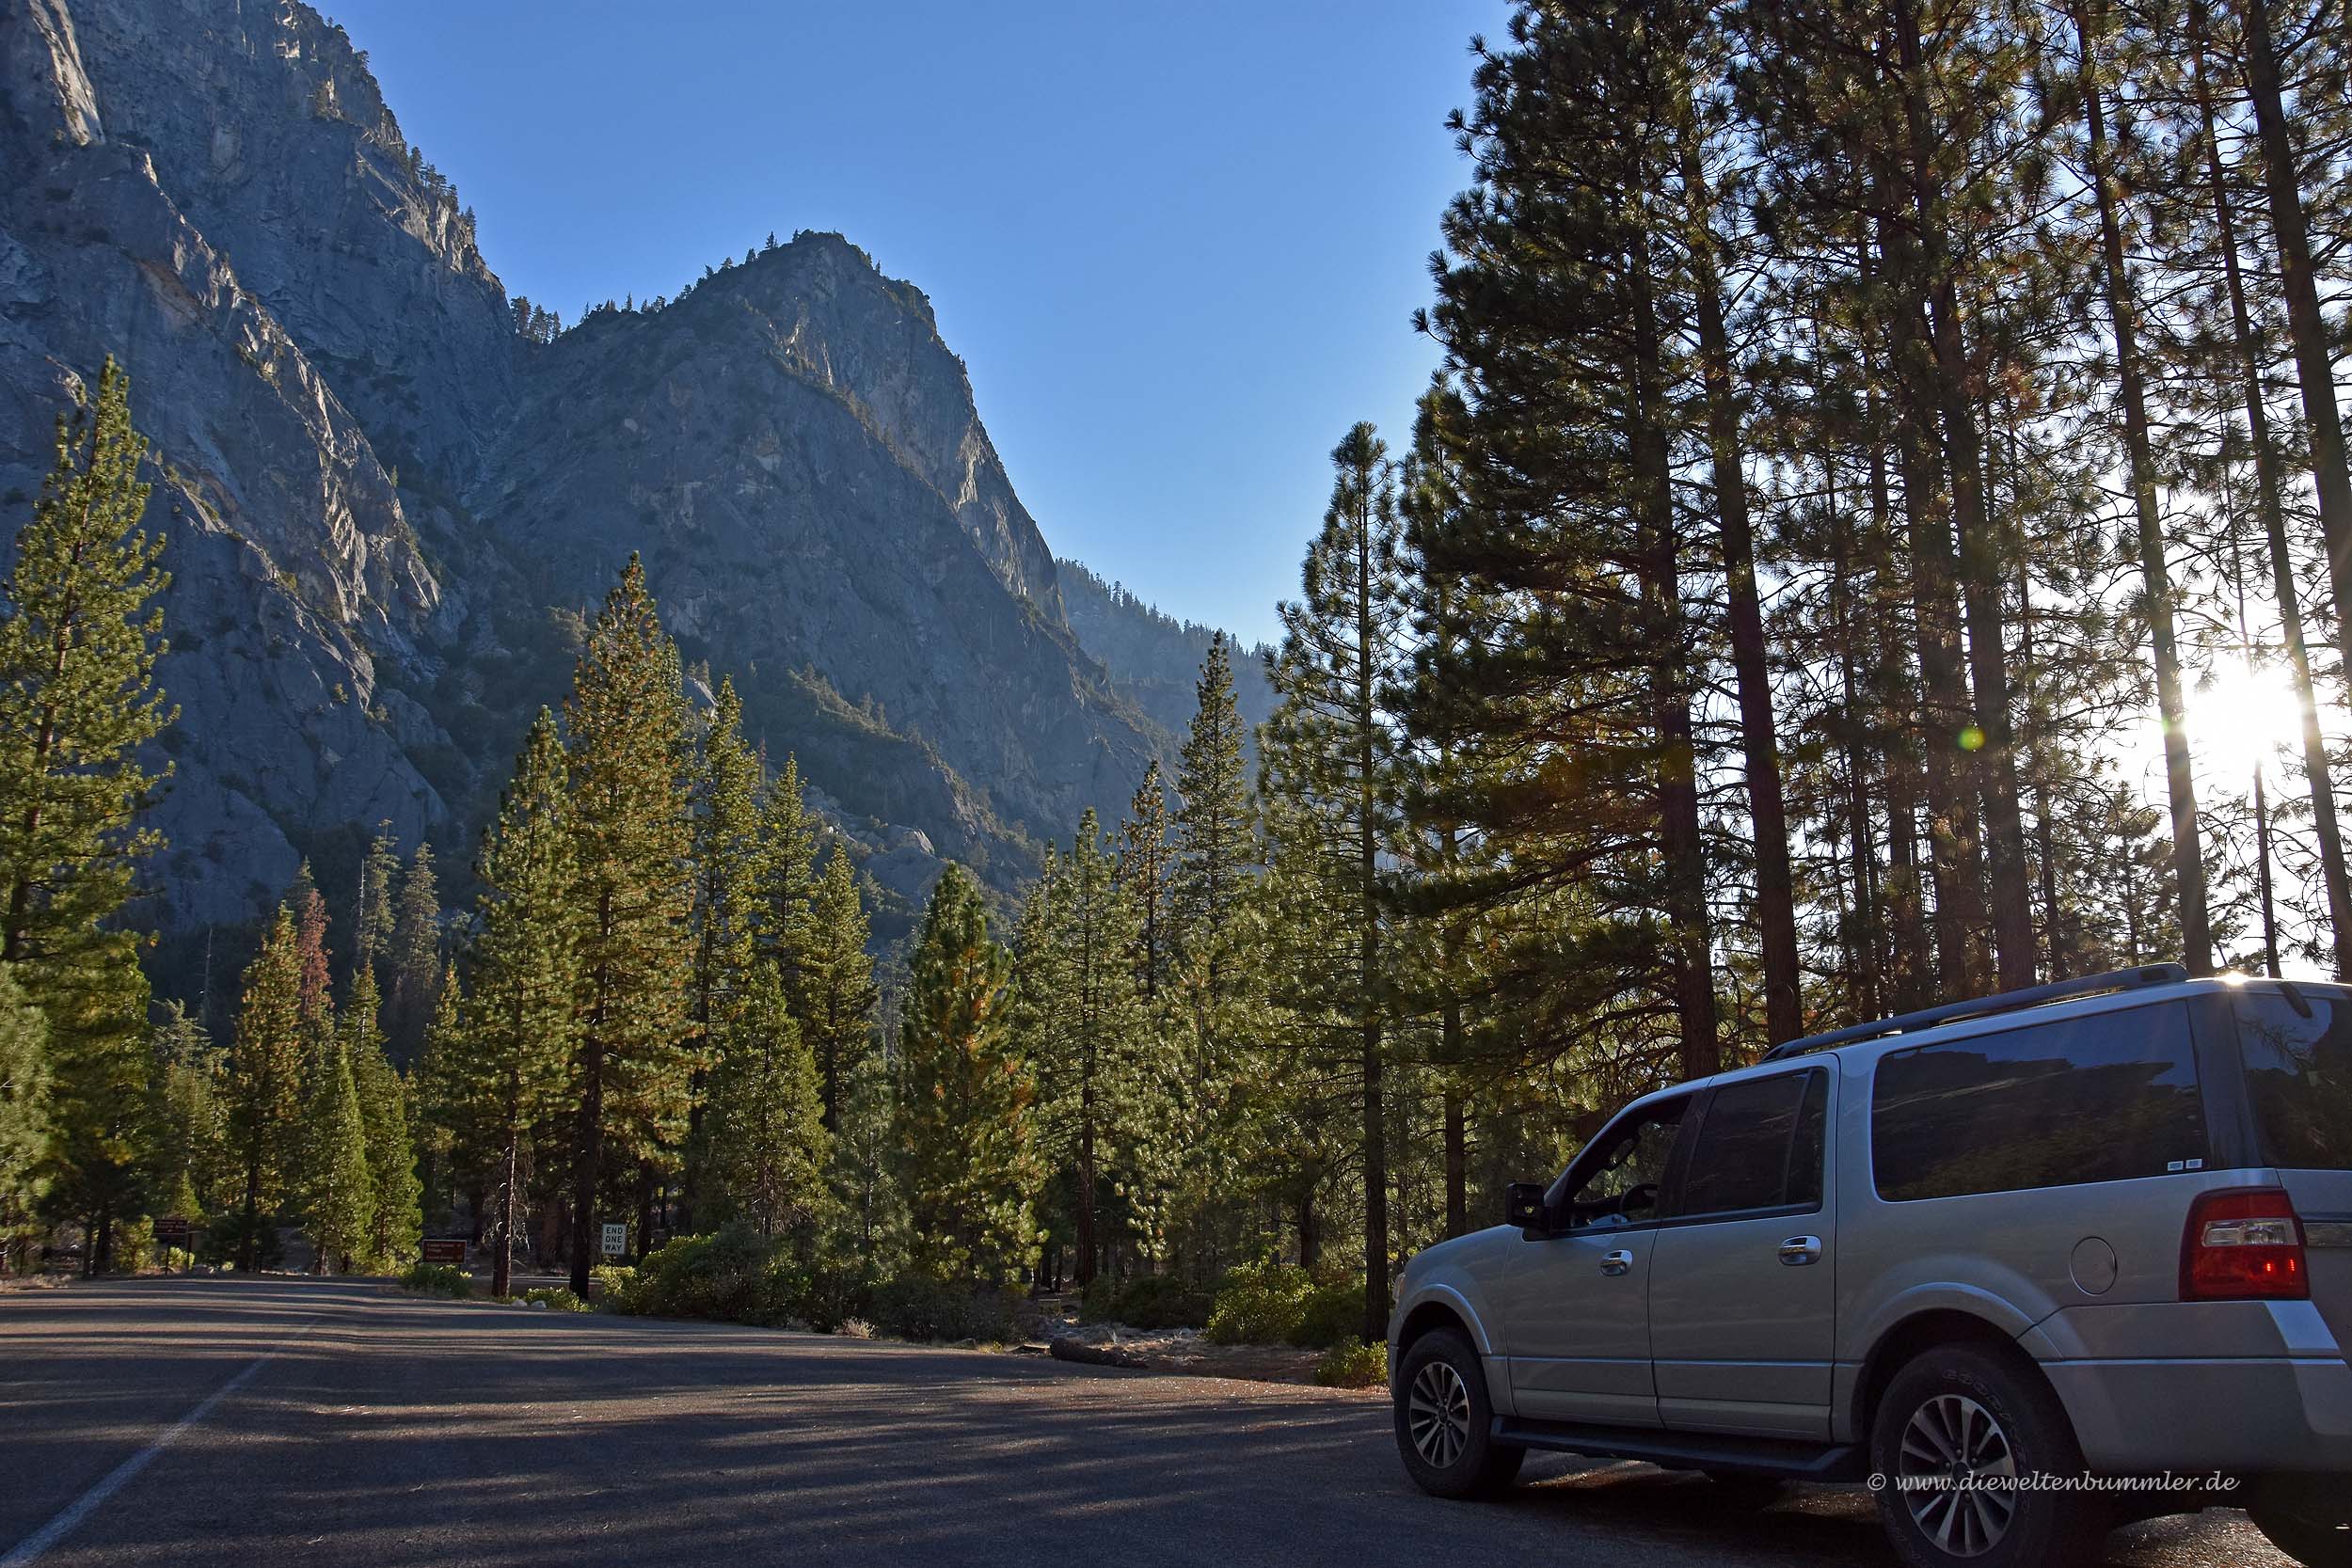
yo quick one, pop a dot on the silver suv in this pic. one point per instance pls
(2029, 1266)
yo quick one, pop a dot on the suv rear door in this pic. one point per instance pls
(1742, 1297)
(2297, 1045)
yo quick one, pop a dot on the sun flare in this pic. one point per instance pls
(2242, 716)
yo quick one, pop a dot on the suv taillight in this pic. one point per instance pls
(2243, 1244)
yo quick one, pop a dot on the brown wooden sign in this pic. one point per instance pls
(445, 1249)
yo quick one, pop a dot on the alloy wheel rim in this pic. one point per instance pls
(1438, 1414)
(1960, 1469)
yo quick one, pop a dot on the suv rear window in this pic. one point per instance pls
(2100, 1097)
(2298, 1075)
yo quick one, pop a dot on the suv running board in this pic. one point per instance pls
(1690, 1450)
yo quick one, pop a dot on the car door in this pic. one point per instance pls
(1742, 1296)
(1575, 1295)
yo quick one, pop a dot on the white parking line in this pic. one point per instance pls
(29, 1550)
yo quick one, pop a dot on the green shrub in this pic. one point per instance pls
(614, 1287)
(555, 1298)
(733, 1275)
(1332, 1314)
(1260, 1304)
(834, 1294)
(437, 1280)
(1353, 1364)
(917, 1307)
(1282, 1304)
(1147, 1301)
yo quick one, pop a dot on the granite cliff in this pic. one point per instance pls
(388, 508)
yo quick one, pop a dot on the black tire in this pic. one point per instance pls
(2307, 1516)
(1968, 1410)
(1750, 1492)
(1445, 1422)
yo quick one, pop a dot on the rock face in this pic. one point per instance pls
(1154, 658)
(386, 511)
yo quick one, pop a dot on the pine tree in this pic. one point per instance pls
(266, 1083)
(1145, 866)
(1216, 819)
(504, 1064)
(79, 635)
(23, 1119)
(964, 1120)
(414, 969)
(1333, 767)
(338, 1198)
(730, 862)
(1217, 857)
(1085, 1025)
(372, 911)
(872, 1206)
(633, 837)
(2157, 599)
(440, 1085)
(314, 996)
(395, 1197)
(768, 1144)
(788, 861)
(838, 995)
(1563, 680)
(188, 1145)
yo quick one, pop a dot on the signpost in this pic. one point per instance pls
(176, 1230)
(445, 1249)
(615, 1239)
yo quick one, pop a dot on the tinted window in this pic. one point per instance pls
(2298, 1073)
(2097, 1099)
(1617, 1178)
(1759, 1146)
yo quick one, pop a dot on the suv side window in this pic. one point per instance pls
(2298, 1073)
(1759, 1147)
(1618, 1178)
(2104, 1096)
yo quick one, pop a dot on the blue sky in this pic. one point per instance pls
(1178, 246)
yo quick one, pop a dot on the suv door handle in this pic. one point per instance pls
(1618, 1261)
(1797, 1251)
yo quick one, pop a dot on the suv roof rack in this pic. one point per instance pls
(1985, 1007)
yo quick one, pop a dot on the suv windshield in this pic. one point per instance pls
(2298, 1075)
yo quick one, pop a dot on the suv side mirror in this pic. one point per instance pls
(1523, 1206)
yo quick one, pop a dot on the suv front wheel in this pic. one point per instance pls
(1959, 1450)
(1445, 1422)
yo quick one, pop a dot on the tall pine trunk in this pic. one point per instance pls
(2267, 486)
(1684, 871)
(1953, 847)
(1367, 718)
(1457, 1146)
(1768, 814)
(2307, 329)
(587, 1157)
(2180, 785)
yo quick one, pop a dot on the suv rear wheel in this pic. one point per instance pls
(1445, 1423)
(2307, 1518)
(1956, 1432)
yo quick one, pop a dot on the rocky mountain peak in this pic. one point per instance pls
(386, 505)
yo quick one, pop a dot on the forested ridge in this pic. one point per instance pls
(1880, 534)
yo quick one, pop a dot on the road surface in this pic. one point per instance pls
(282, 1421)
